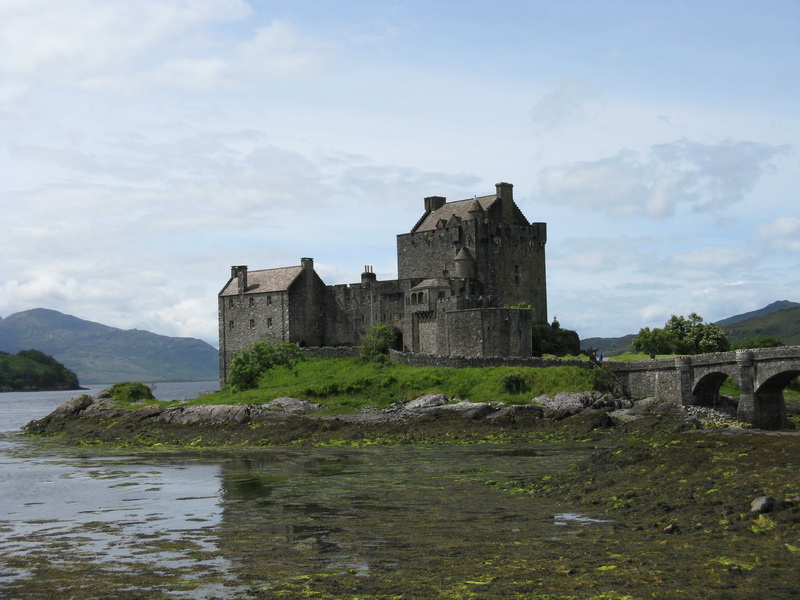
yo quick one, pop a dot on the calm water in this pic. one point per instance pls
(83, 524)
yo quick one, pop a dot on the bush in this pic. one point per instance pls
(130, 391)
(514, 383)
(248, 366)
(376, 341)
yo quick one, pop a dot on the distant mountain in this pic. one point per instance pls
(609, 346)
(780, 319)
(782, 324)
(102, 354)
(769, 309)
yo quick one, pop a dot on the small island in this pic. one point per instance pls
(34, 371)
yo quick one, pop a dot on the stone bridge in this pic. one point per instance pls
(762, 375)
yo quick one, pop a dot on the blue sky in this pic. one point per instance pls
(148, 145)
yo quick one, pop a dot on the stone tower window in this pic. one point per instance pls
(269, 321)
(252, 322)
(252, 302)
(230, 303)
(230, 324)
(269, 299)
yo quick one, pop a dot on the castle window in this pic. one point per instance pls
(252, 322)
(441, 294)
(269, 299)
(269, 321)
(230, 324)
(252, 302)
(230, 303)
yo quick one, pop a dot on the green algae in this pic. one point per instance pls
(455, 509)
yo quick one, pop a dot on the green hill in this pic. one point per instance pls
(783, 324)
(609, 346)
(780, 319)
(31, 370)
(102, 354)
(767, 310)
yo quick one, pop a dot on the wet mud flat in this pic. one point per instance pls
(454, 509)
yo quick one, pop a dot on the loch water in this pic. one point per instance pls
(327, 522)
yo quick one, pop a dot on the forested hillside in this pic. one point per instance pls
(32, 370)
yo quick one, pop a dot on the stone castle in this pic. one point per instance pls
(459, 268)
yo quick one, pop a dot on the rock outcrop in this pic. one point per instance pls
(613, 410)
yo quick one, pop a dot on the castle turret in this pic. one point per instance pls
(475, 210)
(465, 264)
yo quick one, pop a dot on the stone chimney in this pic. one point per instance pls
(307, 264)
(433, 203)
(368, 276)
(505, 192)
(240, 274)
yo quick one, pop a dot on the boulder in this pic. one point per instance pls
(183, 415)
(763, 504)
(468, 410)
(292, 406)
(517, 411)
(73, 406)
(572, 403)
(424, 402)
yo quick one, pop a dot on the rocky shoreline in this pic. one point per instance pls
(615, 409)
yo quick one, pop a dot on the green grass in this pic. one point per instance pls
(347, 385)
(629, 356)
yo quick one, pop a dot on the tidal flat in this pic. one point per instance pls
(562, 511)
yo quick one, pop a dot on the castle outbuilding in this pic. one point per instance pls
(459, 269)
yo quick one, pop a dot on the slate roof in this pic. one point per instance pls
(265, 280)
(459, 209)
(431, 283)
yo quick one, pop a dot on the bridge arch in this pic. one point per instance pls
(705, 391)
(769, 405)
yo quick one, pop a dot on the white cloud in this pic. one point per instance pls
(668, 177)
(780, 234)
(567, 103)
(128, 48)
(706, 264)
(279, 50)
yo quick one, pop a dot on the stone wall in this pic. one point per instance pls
(331, 351)
(648, 378)
(432, 360)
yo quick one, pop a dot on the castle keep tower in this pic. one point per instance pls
(485, 243)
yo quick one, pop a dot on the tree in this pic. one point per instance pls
(549, 338)
(683, 335)
(376, 341)
(655, 341)
(248, 366)
(759, 341)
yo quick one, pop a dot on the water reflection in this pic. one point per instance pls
(196, 525)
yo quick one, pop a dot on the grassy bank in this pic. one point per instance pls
(346, 385)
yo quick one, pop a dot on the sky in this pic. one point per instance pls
(146, 146)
